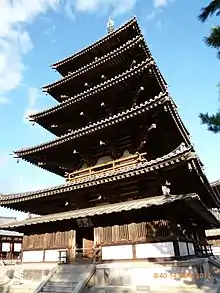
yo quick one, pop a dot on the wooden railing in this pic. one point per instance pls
(109, 166)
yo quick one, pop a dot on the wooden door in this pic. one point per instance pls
(87, 248)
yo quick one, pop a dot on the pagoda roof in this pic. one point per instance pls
(108, 121)
(97, 89)
(99, 47)
(92, 134)
(216, 187)
(195, 207)
(102, 63)
(181, 155)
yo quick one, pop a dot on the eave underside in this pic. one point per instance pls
(118, 93)
(127, 134)
(98, 71)
(175, 208)
(137, 183)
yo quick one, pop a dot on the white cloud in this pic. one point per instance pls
(15, 40)
(113, 6)
(14, 37)
(161, 3)
(4, 100)
(33, 96)
(158, 7)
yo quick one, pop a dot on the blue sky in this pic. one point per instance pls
(36, 33)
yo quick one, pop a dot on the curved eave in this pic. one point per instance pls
(109, 121)
(93, 65)
(216, 183)
(190, 202)
(196, 165)
(216, 187)
(96, 89)
(100, 43)
(181, 153)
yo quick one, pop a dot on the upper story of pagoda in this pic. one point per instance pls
(114, 113)
(102, 47)
(122, 76)
(125, 107)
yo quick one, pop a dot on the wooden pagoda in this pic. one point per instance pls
(134, 187)
(213, 235)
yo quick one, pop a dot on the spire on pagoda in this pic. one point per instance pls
(110, 25)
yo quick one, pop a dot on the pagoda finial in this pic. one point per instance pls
(110, 25)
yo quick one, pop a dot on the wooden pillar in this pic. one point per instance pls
(12, 248)
(176, 248)
(71, 253)
(134, 251)
(1, 248)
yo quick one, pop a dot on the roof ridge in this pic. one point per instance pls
(90, 128)
(95, 44)
(106, 209)
(93, 64)
(106, 84)
(181, 150)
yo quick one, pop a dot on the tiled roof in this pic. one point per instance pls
(181, 153)
(89, 93)
(106, 39)
(5, 221)
(109, 121)
(216, 187)
(6, 233)
(111, 208)
(97, 62)
(215, 183)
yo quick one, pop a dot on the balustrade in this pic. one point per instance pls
(106, 167)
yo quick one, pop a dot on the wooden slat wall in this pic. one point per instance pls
(133, 232)
(49, 240)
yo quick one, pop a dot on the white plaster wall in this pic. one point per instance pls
(103, 160)
(161, 249)
(17, 247)
(126, 154)
(216, 250)
(183, 248)
(51, 255)
(191, 249)
(32, 256)
(117, 252)
(5, 246)
(107, 159)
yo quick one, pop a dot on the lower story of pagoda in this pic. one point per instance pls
(155, 229)
(151, 241)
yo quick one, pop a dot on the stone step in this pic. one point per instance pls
(69, 273)
(50, 292)
(61, 284)
(57, 289)
(72, 279)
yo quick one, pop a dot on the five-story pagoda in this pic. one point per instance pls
(134, 184)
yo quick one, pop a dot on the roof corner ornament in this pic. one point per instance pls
(165, 189)
(30, 216)
(182, 147)
(110, 25)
